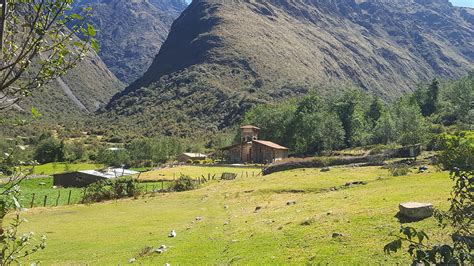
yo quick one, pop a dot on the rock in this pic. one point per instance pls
(226, 207)
(159, 251)
(199, 218)
(334, 235)
(325, 169)
(132, 260)
(167, 264)
(226, 223)
(258, 208)
(355, 183)
(416, 210)
(423, 169)
(172, 233)
(291, 202)
(163, 247)
(329, 213)
(42, 183)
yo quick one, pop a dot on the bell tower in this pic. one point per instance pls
(249, 133)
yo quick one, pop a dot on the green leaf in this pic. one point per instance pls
(95, 45)
(90, 30)
(35, 113)
(76, 16)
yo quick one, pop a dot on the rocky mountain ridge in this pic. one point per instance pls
(223, 57)
(131, 32)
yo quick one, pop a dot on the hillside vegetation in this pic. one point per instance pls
(223, 57)
(233, 231)
(131, 32)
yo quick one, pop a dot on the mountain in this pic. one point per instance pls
(223, 57)
(81, 91)
(131, 32)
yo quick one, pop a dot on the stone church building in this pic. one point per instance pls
(253, 150)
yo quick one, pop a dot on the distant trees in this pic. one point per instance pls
(353, 118)
(49, 150)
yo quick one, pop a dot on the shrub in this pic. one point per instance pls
(398, 169)
(184, 183)
(108, 189)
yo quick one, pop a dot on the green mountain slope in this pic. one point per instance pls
(221, 58)
(80, 92)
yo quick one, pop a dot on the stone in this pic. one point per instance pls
(132, 260)
(334, 235)
(42, 184)
(291, 202)
(163, 247)
(325, 169)
(423, 169)
(258, 208)
(199, 218)
(159, 251)
(172, 233)
(416, 210)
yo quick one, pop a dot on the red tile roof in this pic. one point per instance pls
(270, 144)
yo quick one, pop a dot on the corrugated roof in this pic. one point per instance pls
(195, 155)
(110, 173)
(271, 144)
(249, 127)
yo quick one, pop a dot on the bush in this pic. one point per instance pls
(109, 189)
(184, 183)
(398, 169)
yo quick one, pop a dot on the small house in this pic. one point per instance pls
(188, 156)
(87, 177)
(253, 150)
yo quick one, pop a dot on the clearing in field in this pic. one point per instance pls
(293, 217)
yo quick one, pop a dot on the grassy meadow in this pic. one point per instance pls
(195, 171)
(232, 231)
(56, 168)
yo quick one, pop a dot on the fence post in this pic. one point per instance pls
(69, 197)
(209, 177)
(84, 196)
(57, 199)
(146, 188)
(32, 201)
(45, 199)
(153, 189)
(246, 174)
(162, 186)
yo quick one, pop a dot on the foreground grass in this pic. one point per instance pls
(198, 171)
(233, 232)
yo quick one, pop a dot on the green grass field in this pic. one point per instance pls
(55, 168)
(232, 232)
(42, 187)
(197, 171)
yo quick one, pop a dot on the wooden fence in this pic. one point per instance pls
(67, 197)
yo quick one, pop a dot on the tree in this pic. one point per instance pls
(410, 125)
(457, 100)
(50, 150)
(375, 111)
(350, 108)
(37, 47)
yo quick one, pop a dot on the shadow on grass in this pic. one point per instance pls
(405, 220)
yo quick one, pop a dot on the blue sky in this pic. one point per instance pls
(469, 3)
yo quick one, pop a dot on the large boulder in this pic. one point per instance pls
(416, 210)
